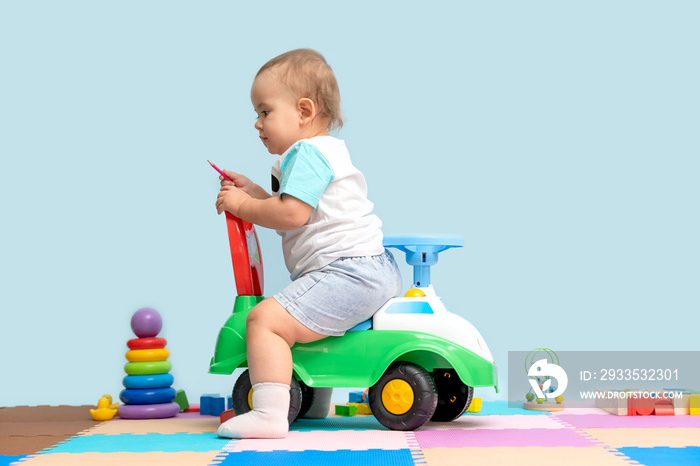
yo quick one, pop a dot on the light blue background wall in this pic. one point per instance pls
(559, 138)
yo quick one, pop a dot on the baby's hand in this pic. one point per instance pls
(230, 197)
(241, 182)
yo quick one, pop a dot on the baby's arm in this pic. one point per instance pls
(244, 184)
(280, 213)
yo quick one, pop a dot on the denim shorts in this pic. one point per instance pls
(349, 290)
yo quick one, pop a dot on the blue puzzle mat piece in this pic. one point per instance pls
(370, 422)
(500, 407)
(337, 423)
(141, 443)
(6, 460)
(663, 456)
(320, 458)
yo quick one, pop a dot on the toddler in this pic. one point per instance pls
(332, 243)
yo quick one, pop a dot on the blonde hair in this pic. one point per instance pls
(306, 74)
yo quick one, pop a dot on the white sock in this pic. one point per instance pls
(268, 419)
(322, 404)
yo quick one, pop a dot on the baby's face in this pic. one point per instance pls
(278, 120)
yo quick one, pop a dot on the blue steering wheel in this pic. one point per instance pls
(422, 251)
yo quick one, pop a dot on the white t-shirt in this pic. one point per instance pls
(318, 171)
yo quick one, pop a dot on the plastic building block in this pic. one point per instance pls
(345, 410)
(212, 404)
(205, 402)
(694, 405)
(181, 399)
(640, 407)
(226, 415)
(218, 407)
(647, 406)
(356, 397)
(681, 404)
(362, 408)
(192, 409)
(664, 409)
(614, 405)
(474, 406)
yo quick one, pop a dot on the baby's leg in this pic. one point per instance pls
(270, 333)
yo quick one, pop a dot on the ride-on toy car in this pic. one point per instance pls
(420, 361)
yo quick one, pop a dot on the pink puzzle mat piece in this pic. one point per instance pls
(328, 441)
(501, 438)
(582, 411)
(515, 421)
(587, 421)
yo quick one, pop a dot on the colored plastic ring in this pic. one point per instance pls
(147, 396)
(157, 411)
(147, 343)
(148, 381)
(141, 355)
(147, 368)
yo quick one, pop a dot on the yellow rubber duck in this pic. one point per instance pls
(105, 409)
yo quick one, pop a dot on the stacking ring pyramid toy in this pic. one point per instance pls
(148, 393)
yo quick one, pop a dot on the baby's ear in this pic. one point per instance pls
(307, 110)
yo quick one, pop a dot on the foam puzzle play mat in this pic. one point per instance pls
(496, 435)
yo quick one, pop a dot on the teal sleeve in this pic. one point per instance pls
(305, 173)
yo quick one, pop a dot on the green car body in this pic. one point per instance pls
(357, 359)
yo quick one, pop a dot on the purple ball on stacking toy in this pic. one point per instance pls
(146, 323)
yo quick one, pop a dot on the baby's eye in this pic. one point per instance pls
(264, 112)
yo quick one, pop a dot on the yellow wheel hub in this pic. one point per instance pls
(250, 398)
(397, 396)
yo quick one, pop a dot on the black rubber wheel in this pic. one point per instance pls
(308, 394)
(242, 389)
(404, 398)
(454, 397)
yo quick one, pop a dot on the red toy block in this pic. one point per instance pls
(648, 406)
(192, 409)
(641, 406)
(664, 408)
(226, 415)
